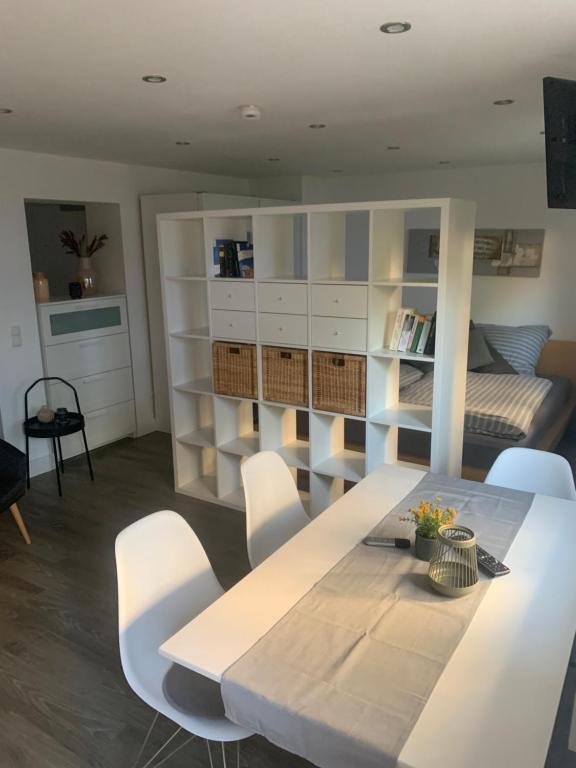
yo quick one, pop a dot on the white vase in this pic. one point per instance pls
(87, 276)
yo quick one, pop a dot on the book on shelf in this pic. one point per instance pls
(424, 337)
(410, 321)
(418, 328)
(411, 331)
(431, 340)
(232, 258)
(396, 323)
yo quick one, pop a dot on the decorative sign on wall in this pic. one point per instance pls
(497, 252)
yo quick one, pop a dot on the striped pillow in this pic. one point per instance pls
(409, 375)
(520, 346)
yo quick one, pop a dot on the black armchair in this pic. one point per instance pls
(13, 483)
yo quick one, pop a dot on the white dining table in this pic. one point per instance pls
(496, 700)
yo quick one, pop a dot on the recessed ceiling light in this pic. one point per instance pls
(273, 159)
(443, 162)
(317, 125)
(395, 27)
(392, 147)
(154, 79)
(250, 112)
(503, 102)
(183, 143)
(5, 111)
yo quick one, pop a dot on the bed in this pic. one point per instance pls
(547, 402)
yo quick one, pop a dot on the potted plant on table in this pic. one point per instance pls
(428, 517)
(78, 246)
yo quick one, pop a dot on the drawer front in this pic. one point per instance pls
(278, 297)
(78, 320)
(94, 392)
(79, 359)
(339, 333)
(340, 300)
(283, 329)
(102, 426)
(234, 325)
(232, 295)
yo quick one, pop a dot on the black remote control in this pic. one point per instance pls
(489, 563)
(379, 541)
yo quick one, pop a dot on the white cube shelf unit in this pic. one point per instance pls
(326, 277)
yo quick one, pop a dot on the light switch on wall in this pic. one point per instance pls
(16, 335)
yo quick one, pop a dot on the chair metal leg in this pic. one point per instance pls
(224, 763)
(210, 754)
(143, 745)
(54, 449)
(162, 748)
(237, 754)
(20, 523)
(59, 444)
(171, 754)
(27, 463)
(87, 452)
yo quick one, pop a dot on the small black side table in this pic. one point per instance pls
(54, 430)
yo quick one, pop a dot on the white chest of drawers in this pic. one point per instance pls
(86, 342)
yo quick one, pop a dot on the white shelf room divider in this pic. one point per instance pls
(326, 277)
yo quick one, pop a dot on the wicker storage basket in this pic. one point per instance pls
(285, 375)
(234, 367)
(339, 383)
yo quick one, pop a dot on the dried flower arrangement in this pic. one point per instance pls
(78, 246)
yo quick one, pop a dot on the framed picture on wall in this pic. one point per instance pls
(503, 252)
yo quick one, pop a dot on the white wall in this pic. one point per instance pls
(108, 262)
(26, 175)
(45, 222)
(511, 196)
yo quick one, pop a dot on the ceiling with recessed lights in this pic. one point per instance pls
(72, 74)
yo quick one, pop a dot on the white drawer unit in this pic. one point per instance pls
(66, 321)
(94, 392)
(232, 294)
(284, 298)
(283, 329)
(340, 300)
(339, 333)
(103, 426)
(234, 325)
(84, 358)
(86, 343)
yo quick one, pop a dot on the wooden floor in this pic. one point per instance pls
(63, 699)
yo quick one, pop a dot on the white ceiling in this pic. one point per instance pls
(71, 71)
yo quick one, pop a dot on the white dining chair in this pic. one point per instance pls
(274, 510)
(164, 580)
(526, 469)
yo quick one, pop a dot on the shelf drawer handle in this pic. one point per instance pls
(280, 329)
(337, 333)
(228, 295)
(336, 301)
(230, 325)
(89, 342)
(279, 298)
(97, 414)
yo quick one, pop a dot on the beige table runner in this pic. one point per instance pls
(343, 677)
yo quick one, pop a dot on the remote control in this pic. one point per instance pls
(490, 564)
(379, 541)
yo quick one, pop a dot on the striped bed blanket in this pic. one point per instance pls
(499, 405)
